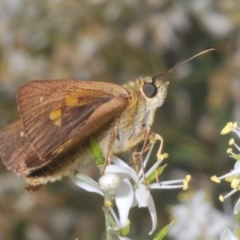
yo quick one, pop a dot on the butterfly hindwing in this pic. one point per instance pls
(16, 152)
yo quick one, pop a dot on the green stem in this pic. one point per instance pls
(100, 163)
(108, 223)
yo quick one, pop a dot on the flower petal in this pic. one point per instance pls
(237, 207)
(85, 185)
(123, 172)
(152, 211)
(117, 161)
(124, 200)
(142, 195)
(236, 165)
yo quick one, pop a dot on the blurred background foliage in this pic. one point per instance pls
(119, 41)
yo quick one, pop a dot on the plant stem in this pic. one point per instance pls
(110, 223)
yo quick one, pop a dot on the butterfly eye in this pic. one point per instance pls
(149, 89)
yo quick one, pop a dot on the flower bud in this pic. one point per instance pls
(109, 182)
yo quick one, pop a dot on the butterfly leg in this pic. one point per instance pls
(156, 137)
(150, 139)
(113, 135)
(139, 155)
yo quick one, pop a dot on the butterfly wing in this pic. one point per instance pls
(14, 149)
(58, 114)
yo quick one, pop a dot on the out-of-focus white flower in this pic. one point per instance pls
(196, 218)
(128, 187)
(227, 235)
(234, 176)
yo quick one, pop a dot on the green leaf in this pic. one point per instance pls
(163, 232)
(237, 156)
(159, 171)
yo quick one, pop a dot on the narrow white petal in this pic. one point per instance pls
(237, 165)
(135, 202)
(117, 161)
(237, 131)
(86, 186)
(237, 207)
(142, 195)
(152, 211)
(124, 200)
(122, 171)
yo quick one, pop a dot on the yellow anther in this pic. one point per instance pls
(221, 198)
(215, 179)
(162, 156)
(165, 155)
(186, 181)
(229, 150)
(229, 178)
(228, 128)
(231, 141)
(235, 183)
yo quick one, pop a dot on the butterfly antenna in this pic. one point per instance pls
(173, 69)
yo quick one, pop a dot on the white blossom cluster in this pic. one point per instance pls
(128, 188)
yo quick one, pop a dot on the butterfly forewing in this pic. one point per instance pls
(58, 114)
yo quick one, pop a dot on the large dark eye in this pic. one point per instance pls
(149, 89)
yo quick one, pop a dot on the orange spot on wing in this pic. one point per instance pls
(55, 116)
(71, 100)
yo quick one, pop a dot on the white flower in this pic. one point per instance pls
(111, 186)
(227, 235)
(196, 218)
(234, 176)
(128, 188)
